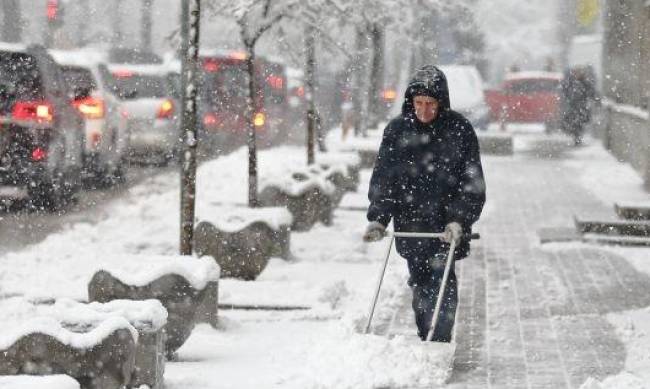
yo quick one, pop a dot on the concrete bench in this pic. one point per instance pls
(186, 286)
(38, 382)
(495, 144)
(633, 211)
(36, 343)
(242, 240)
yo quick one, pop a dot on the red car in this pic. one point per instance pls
(526, 97)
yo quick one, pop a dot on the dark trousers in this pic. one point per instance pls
(425, 277)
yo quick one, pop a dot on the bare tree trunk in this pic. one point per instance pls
(376, 75)
(191, 15)
(359, 108)
(251, 109)
(310, 72)
(145, 32)
(12, 21)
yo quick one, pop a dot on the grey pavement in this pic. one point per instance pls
(530, 316)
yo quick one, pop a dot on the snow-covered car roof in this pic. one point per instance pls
(533, 74)
(149, 70)
(81, 58)
(4, 46)
(465, 86)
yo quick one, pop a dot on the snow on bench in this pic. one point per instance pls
(242, 239)
(38, 382)
(186, 286)
(148, 317)
(34, 341)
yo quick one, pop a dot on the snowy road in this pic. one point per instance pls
(20, 227)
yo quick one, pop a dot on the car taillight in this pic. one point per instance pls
(38, 111)
(210, 119)
(166, 110)
(90, 107)
(259, 119)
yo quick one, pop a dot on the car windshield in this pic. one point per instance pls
(79, 80)
(19, 80)
(128, 85)
(533, 86)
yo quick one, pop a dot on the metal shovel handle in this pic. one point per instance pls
(380, 280)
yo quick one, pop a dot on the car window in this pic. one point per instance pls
(533, 86)
(128, 85)
(20, 79)
(79, 80)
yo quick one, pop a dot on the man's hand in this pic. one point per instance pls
(453, 232)
(374, 232)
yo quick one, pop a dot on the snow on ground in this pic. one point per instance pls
(332, 272)
(32, 382)
(615, 182)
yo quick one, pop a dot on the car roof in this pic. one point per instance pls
(13, 47)
(147, 69)
(81, 58)
(533, 74)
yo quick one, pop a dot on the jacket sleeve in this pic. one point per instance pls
(381, 191)
(467, 203)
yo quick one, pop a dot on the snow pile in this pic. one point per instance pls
(38, 382)
(294, 181)
(140, 270)
(597, 166)
(236, 219)
(343, 359)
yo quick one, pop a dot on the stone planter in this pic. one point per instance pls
(99, 357)
(147, 317)
(243, 240)
(186, 287)
(306, 193)
(496, 144)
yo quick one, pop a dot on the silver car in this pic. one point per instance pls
(106, 140)
(149, 109)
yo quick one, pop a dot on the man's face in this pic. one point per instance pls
(426, 108)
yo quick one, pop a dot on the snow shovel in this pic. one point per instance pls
(443, 284)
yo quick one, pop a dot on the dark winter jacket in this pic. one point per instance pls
(427, 175)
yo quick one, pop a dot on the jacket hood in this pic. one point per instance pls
(427, 81)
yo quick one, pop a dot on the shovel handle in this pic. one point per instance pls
(431, 235)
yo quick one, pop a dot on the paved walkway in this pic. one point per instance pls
(530, 316)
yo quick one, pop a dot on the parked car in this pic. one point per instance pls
(527, 97)
(41, 133)
(466, 93)
(106, 142)
(149, 109)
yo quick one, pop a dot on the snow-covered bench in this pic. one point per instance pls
(242, 240)
(38, 382)
(186, 286)
(35, 342)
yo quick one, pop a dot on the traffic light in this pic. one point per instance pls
(54, 12)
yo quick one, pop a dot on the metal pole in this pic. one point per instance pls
(379, 282)
(441, 290)
(191, 16)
